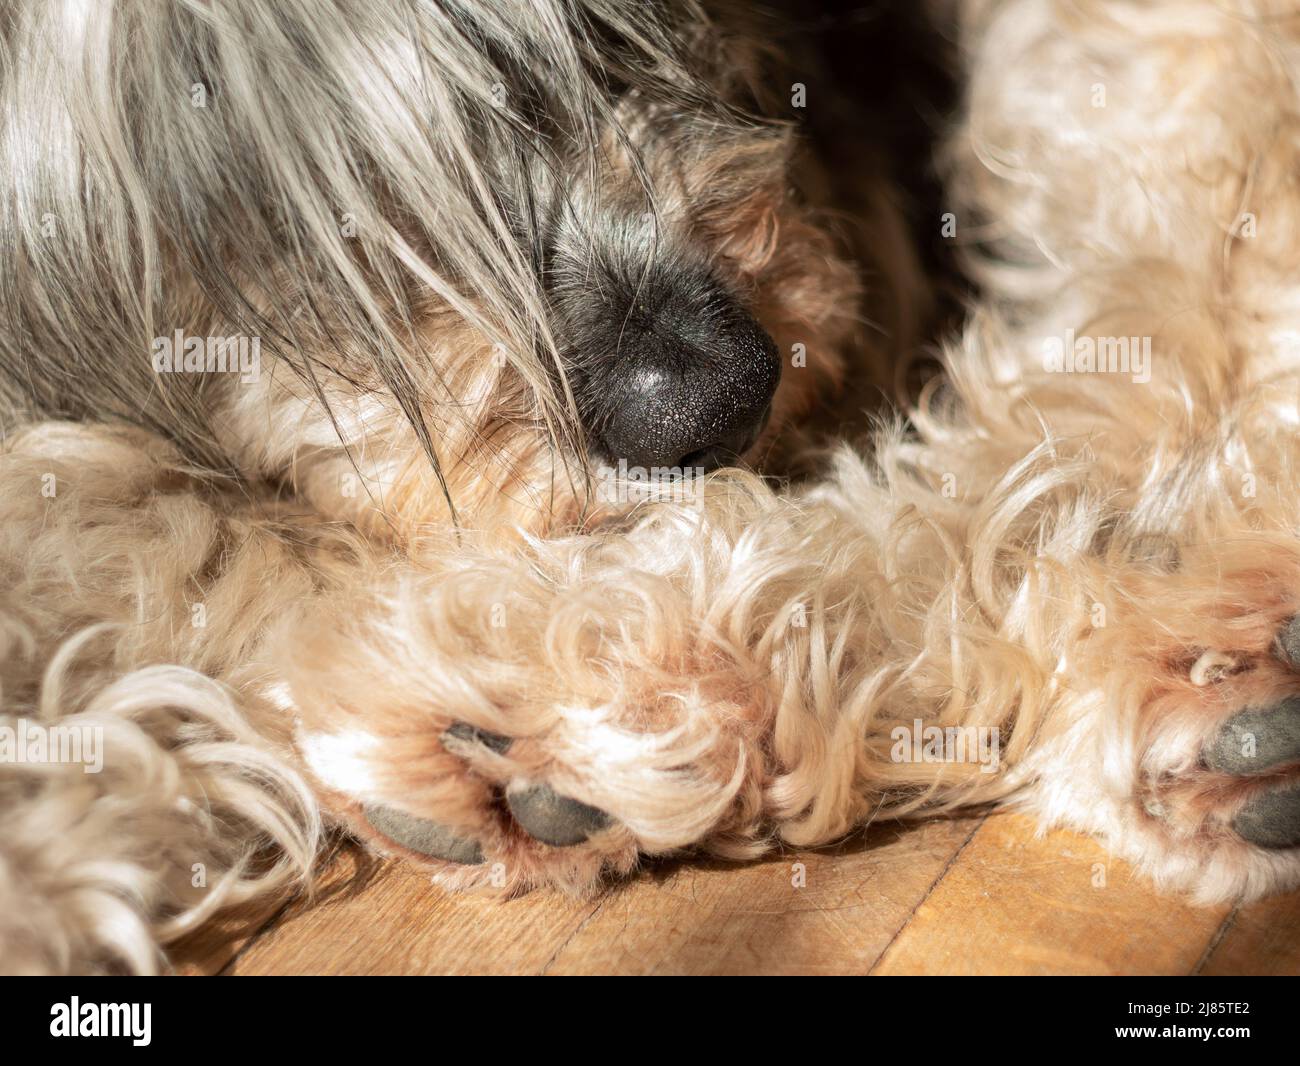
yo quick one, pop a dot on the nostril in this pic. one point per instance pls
(705, 459)
(724, 452)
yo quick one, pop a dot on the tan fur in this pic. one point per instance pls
(1046, 554)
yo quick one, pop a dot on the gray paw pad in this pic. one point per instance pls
(1271, 820)
(428, 838)
(1288, 642)
(474, 735)
(553, 819)
(1257, 739)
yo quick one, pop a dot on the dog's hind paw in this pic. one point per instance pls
(1219, 752)
(1261, 745)
(1271, 819)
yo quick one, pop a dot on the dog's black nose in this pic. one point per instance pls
(690, 389)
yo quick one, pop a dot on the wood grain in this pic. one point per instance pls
(807, 913)
(400, 923)
(948, 897)
(1262, 939)
(211, 948)
(1017, 903)
(835, 915)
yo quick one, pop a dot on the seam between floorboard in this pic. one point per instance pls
(928, 892)
(600, 904)
(1228, 922)
(261, 931)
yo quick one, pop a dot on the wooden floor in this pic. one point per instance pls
(981, 896)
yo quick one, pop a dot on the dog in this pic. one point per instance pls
(399, 398)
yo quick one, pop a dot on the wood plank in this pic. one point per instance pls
(1016, 903)
(1262, 939)
(399, 922)
(831, 911)
(210, 949)
(699, 917)
(946, 897)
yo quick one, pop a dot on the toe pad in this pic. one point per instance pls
(553, 819)
(1288, 642)
(1271, 820)
(423, 836)
(1257, 739)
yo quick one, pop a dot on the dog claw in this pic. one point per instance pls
(553, 819)
(472, 734)
(1257, 739)
(1271, 820)
(1211, 667)
(423, 836)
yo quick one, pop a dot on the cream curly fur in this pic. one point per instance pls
(1051, 555)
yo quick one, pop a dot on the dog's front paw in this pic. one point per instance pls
(538, 810)
(422, 836)
(513, 767)
(552, 819)
(484, 808)
(549, 717)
